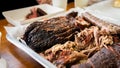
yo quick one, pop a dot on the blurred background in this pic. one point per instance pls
(16, 4)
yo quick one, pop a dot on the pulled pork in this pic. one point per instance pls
(63, 55)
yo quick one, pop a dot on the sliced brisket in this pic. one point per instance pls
(42, 35)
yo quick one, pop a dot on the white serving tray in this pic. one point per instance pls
(14, 33)
(17, 16)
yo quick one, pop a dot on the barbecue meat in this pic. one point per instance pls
(64, 55)
(42, 35)
(109, 27)
(35, 12)
(71, 41)
(105, 58)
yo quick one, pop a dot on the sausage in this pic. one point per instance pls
(105, 58)
(109, 27)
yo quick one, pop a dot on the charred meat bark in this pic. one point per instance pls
(42, 35)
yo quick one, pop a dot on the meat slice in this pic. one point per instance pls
(105, 58)
(43, 35)
(35, 12)
(109, 27)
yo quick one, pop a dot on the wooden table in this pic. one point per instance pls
(15, 57)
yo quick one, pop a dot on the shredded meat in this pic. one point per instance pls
(92, 38)
(63, 55)
(82, 23)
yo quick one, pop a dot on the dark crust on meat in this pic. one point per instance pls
(105, 58)
(42, 35)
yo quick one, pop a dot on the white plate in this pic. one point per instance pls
(17, 16)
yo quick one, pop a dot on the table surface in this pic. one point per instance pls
(15, 57)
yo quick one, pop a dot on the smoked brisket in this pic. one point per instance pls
(43, 35)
